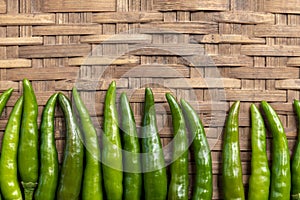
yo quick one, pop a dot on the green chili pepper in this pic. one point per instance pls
(153, 163)
(47, 185)
(280, 171)
(72, 167)
(179, 184)
(296, 158)
(28, 163)
(132, 182)
(10, 188)
(4, 98)
(92, 177)
(203, 185)
(259, 182)
(112, 150)
(232, 169)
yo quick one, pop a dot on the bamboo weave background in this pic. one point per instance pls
(253, 43)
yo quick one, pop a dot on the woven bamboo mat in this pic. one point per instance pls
(210, 52)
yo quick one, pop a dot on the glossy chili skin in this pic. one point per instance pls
(92, 176)
(280, 171)
(9, 183)
(179, 183)
(132, 182)
(203, 185)
(71, 172)
(28, 157)
(4, 97)
(48, 178)
(153, 163)
(112, 150)
(259, 182)
(296, 158)
(232, 170)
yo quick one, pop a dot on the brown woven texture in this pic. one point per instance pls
(252, 44)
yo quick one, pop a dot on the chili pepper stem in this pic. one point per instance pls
(28, 190)
(28, 194)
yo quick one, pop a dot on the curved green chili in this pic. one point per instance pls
(28, 163)
(296, 158)
(9, 184)
(232, 170)
(47, 184)
(203, 185)
(72, 167)
(4, 97)
(92, 176)
(280, 171)
(112, 150)
(179, 183)
(259, 182)
(132, 182)
(153, 163)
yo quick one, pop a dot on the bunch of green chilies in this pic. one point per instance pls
(130, 168)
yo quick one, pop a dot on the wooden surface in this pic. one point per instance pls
(210, 52)
(78, 5)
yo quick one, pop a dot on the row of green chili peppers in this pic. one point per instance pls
(282, 181)
(129, 166)
(126, 167)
